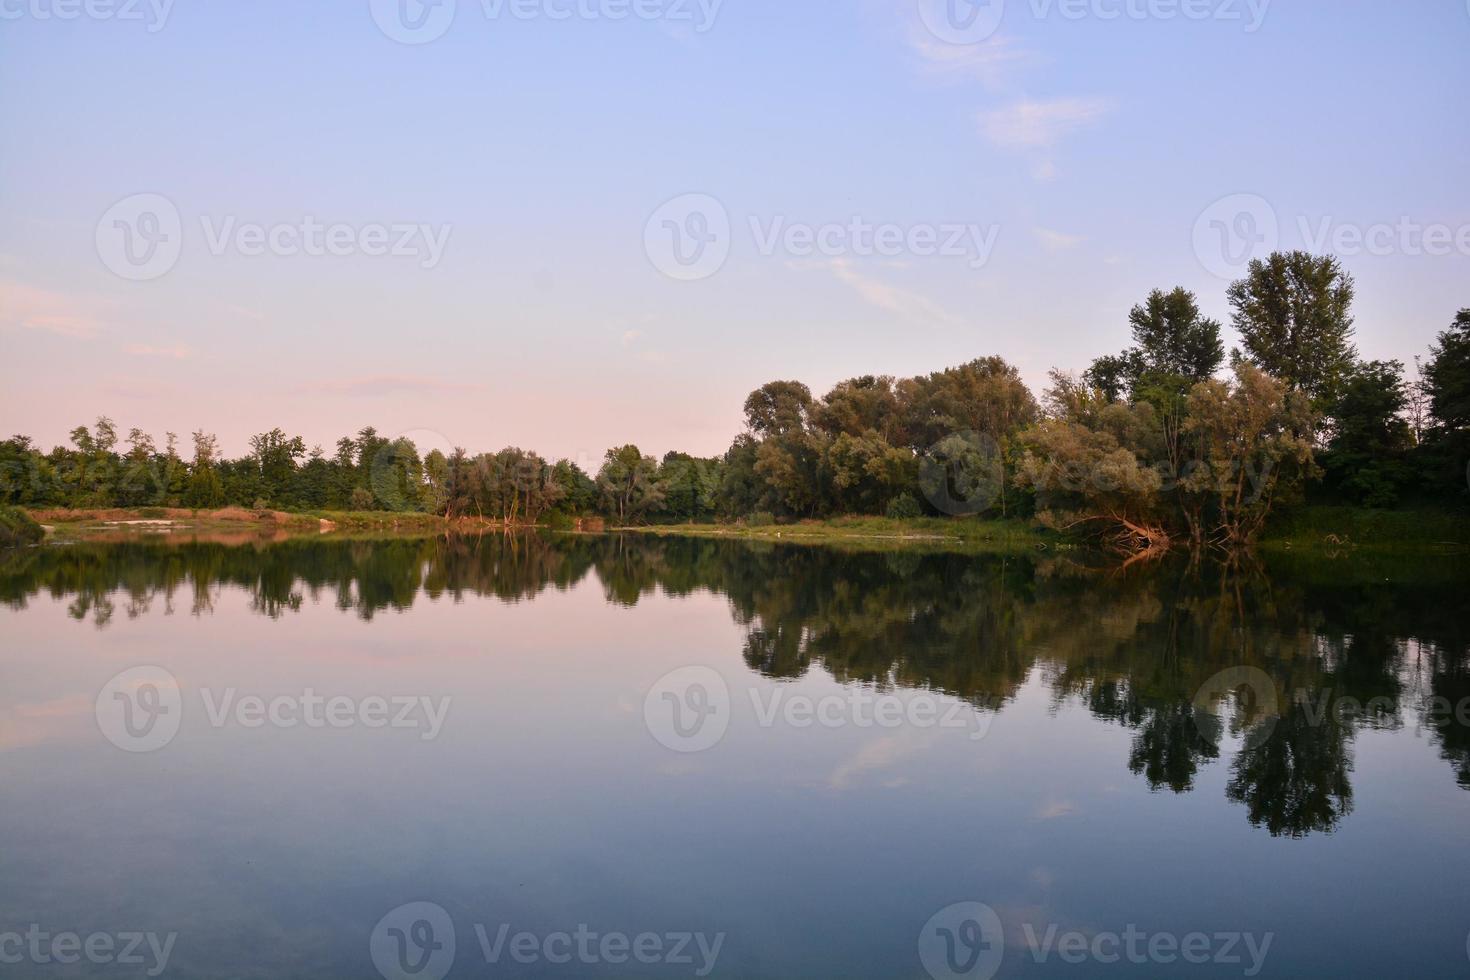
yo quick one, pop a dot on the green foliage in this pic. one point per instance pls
(578, 490)
(778, 407)
(1175, 348)
(1146, 438)
(904, 507)
(691, 487)
(1114, 375)
(1446, 454)
(1250, 443)
(629, 484)
(1294, 314)
(1211, 466)
(18, 528)
(1367, 458)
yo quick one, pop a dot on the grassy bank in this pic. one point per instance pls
(1333, 530)
(17, 528)
(1351, 528)
(968, 534)
(164, 519)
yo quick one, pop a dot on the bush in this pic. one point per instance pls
(904, 507)
(17, 528)
(362, 498)
(761, 518)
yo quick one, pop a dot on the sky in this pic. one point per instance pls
(571, 224)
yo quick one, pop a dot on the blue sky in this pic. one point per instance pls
(539, 148)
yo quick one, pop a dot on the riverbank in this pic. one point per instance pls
(17, 528)
(1337, 529)
(937, 532)
(1330, 530)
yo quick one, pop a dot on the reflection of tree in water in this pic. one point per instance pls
(1441, 713)
(1294, 780)
(1133, 647)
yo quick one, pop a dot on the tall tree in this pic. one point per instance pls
(1115, 374)
(629, 483)
(1367, 456)
(985, 395)
(1447, 376)
(1251, 443)
(1173, 338)
(1294, 314)
(860, 405)
(1174, 348)
(1447, 383)
(206, 489)
(778, 408)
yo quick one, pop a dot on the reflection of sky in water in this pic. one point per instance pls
(545, 803)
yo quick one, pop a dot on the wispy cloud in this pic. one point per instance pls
(382, 384)
(1029, 124)
(992, 63)
(1057, 241)
(629, 336)
(901, 302)
(29, 308)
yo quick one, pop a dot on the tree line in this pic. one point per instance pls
(1168, 439)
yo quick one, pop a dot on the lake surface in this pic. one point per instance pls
(628, 757)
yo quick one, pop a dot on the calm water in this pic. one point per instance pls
(322, 758)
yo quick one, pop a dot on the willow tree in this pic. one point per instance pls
(1085, 474)
(1247, 442)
